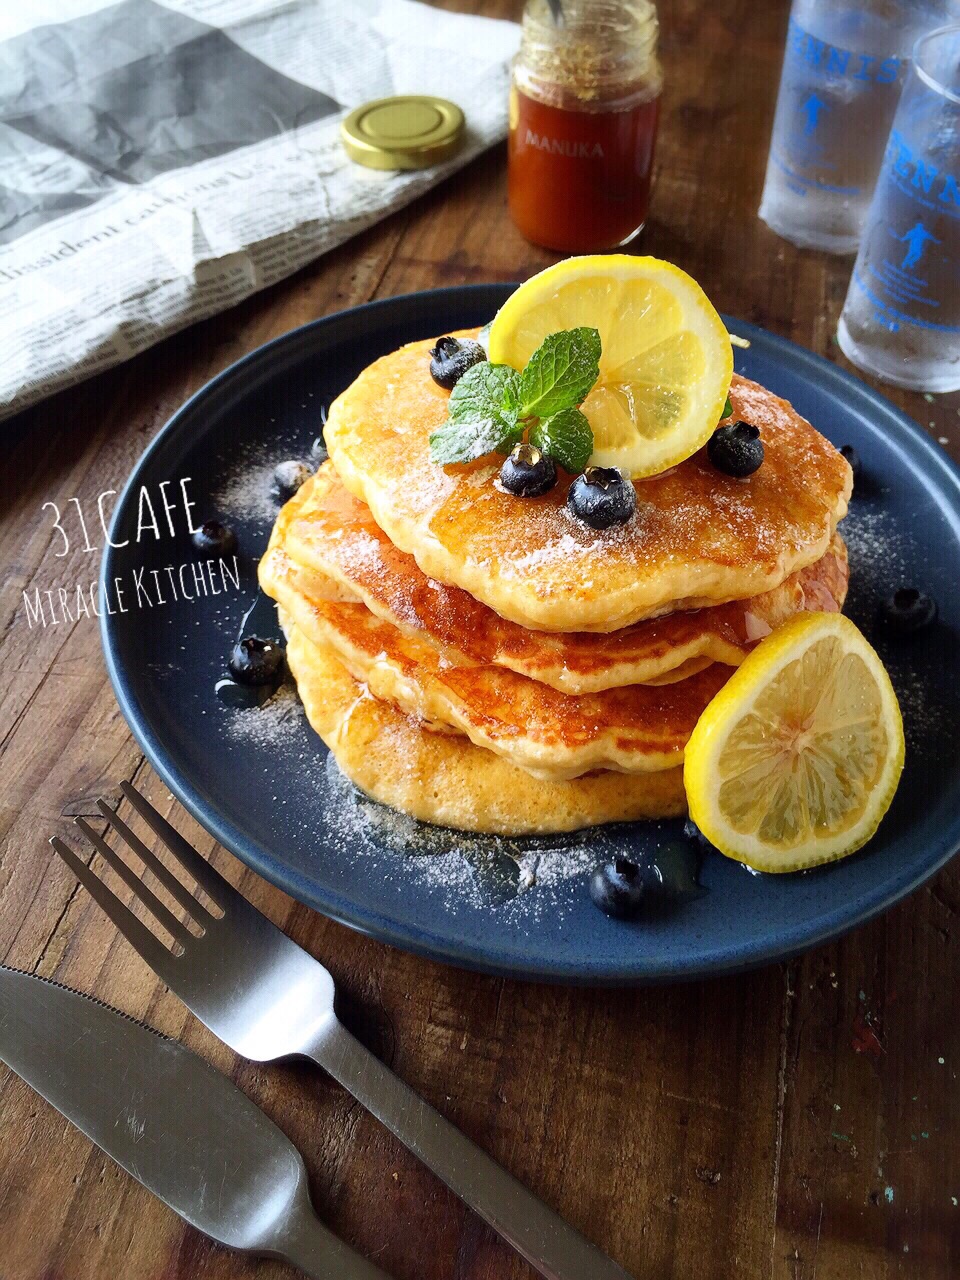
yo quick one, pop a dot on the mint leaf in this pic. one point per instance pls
(467, 440)
(482, 415)
(560, 372)
(727, 409)
(486, 391)
(566, 438)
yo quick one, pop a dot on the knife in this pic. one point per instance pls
(178, 1126)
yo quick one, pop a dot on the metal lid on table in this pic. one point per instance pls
(406, 132)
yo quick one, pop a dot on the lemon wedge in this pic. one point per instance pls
(797, 758)
(666, 358)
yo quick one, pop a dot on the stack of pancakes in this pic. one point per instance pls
(488, 662)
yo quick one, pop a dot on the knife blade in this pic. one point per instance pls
(174, 1123)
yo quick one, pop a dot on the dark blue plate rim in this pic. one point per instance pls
(445, 948)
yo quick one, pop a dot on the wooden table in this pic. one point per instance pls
(797, 1122)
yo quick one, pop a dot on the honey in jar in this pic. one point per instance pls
(584, 105)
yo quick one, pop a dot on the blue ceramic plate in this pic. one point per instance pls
(259, 779)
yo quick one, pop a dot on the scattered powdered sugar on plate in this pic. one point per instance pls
(249, 490)
(883, 556)
(877, 545)
(269, 725)
(462, 866)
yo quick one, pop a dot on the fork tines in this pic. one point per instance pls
(206, 878)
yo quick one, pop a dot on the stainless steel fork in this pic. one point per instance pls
(268, 999)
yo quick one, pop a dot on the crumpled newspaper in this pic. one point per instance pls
(160, 160)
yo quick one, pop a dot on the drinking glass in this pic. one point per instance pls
(843, 69)
(901, 318)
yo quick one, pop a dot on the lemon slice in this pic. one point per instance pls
(666, 359)
(796, 759)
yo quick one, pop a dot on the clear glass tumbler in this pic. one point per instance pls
(843, 68)
(901, 318)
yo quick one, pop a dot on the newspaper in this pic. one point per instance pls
(160, 160)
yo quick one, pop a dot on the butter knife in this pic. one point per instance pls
(178, 1126)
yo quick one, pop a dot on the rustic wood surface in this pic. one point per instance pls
(801, 1121)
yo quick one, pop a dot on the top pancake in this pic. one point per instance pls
(329, 534)
(698, 538)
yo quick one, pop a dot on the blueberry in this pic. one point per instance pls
(602, 497)
(617, 888)
(215, 539)
(908, 611)
(736, 450)
(243, 696)
(318, 451)
(255, 661)
(528, 472)
(693, 833)
(451, 358)
(849, 452)
(289, 476)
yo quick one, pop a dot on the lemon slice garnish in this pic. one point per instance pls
(797, 758)
(666, 359)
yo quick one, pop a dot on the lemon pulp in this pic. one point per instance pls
(797, 758)
(666, 358)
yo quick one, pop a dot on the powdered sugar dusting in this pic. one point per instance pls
(461, 866)
(757, 403)
(269, 725)
(882, 555)
(249, 490)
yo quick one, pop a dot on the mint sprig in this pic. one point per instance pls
(481, 415)
(493, 406)
(560, 372)
(565, 437)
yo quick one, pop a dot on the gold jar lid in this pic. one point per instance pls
(406, 132)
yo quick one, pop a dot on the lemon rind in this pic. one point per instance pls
(733, 702)
(698, 316)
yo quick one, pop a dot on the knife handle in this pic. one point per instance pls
(318, 1253)
(541, 1236)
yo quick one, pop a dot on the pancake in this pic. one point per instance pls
(445, 779)
(699, 537)
(637, 729)
(331, 532)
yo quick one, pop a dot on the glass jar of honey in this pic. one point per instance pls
(584, 105)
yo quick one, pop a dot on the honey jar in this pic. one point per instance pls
(584, 107)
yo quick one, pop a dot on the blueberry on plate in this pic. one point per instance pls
(256, 662)
(451, 358)
(289, 476)
(602, 497)
(528, 472)
(215, 539)
(849, 452)
(616, 887)
(242, 696)
(908, 611)
(693, 833)
(736, 450)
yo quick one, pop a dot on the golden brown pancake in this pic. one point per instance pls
(448, 781)
(699, 537)
(329, 530)
(637, 729)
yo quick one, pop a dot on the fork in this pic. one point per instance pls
(266, 998)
